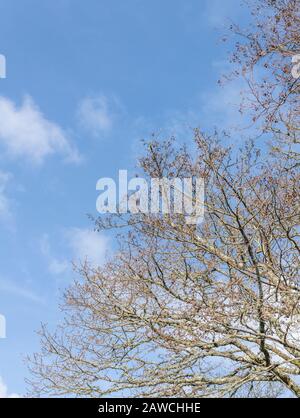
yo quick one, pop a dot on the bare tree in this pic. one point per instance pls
(183, 310)
(206, 310)
(266, 56)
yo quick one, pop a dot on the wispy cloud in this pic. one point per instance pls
(221, 106)
(6, 215)
(8, 286)
(4, 391)
(80, 244)
(56, 266)
(87, 245)
(96, 115)
(26, 133)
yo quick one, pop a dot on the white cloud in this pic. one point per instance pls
(4, 391)
(87, 245)
(96, 115)
(26, 133)
(7, 286)
(5, 204)
(80, 244)
(58, 266)
(55, 265)
(221, 106)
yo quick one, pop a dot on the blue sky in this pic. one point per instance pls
(85, 82)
